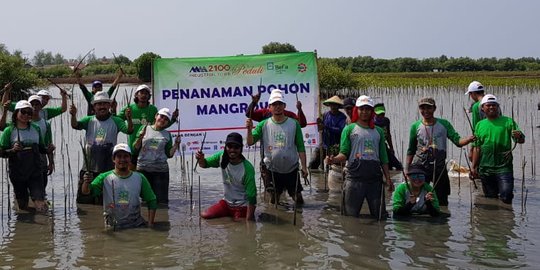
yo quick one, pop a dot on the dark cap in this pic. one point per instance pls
(348, 102)
(426, 101)
(234, 138)
(95, 83)
(415, 169)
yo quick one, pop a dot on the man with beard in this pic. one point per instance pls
(363, 147)
(101, 136)
(492, 152)
(282, 145)
(121, 189)
(238, 177)
(427, 147)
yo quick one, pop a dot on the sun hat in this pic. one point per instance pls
(333, 100)
(35, 97)
(165, 112)
(379, 108)
(489, 98)
(276, 96)
(474, 86)
(234, 138)
(427, 101)
(44, 93)
(101, 96)
(348, 102)
(22, 104)
(364, 100)
(97, 83)
(121, 147)
(142, 87)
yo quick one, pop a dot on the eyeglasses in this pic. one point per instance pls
(27, 112)
(417, 177)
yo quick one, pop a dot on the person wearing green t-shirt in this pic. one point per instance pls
(492, 155)
(363, 147)
(101, 135)
(415, 196)
(122, 191)
(428, 147)
(97, 86)
(238, 175)
(143, 113)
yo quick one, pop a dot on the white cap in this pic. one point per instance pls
(22, 104)
(364, 100)
(475, 86)
(35, 97)
(142, 87)
(276, 96)
(489, 98)
(165, 112)
(44, 93)
(121, 147)
(101, 96)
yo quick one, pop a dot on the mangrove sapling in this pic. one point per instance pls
(201, 149)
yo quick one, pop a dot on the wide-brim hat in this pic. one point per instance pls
(333, 100)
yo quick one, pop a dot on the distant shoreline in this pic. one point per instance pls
(107, 79)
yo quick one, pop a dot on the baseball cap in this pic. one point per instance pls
(101, 96)
(142, 87)
(165, 112)
(379, 108)
(276, 96)
(22, 104)
(348, 102)
(415, 169)
(489, 98)
(34, 97)
(474, 86)
(234, 138)
(121, 147)
(333, 100)
(364, 100)
(427, 101)
(95, 83)
(44, 93)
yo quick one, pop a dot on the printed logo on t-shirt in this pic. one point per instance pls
(279, 139)
(123, 199)
(369, 148)
(100, 135)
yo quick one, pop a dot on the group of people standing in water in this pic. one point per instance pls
(118, 175)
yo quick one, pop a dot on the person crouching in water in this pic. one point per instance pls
(121, 189)
(415, 196)
(238, 177)
(22, 144)
(363, 146)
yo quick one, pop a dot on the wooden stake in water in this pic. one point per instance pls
(296, 197)
(199, 190)
(523, 163)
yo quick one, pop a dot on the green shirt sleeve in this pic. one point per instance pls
(383, 154)
(12, 106)
(111, 91)
(214, 160)
(299, 140)
(345, 141)
(87, 95)
(399, 198)
(168, 146)
(147, 194)
(83, 123)
(96, 187)
(48, 134)
(257, 131)
(475, 111)
(122, 113)
(5, 138)
(450, 132)
(121, 124)
(413, 140)
(249, 183)
(53, 112)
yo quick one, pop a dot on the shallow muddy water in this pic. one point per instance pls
(488, 235)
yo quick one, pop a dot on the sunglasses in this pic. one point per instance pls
(27, 112)
(417, 177)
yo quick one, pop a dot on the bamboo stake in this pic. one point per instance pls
(523, 163)
(295, 205)
(199, 190)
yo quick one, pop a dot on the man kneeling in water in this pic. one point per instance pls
(238, 177)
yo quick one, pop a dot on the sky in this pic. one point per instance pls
(178, 28)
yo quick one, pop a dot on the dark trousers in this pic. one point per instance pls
(499, 186)
(159, 181)
(356, 191)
